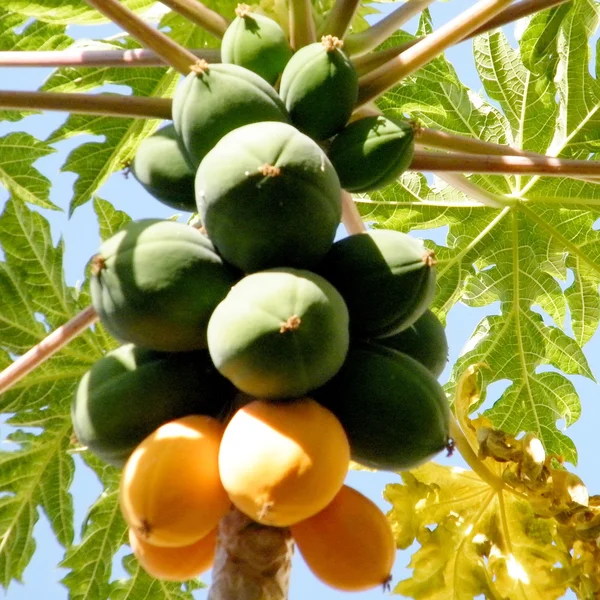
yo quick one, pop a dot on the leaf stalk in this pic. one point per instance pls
(377, 82)
(95, 58)
(302, 24)
(362, 42)
(339, 18)
(46, 348)
(174, 54)
(200, 14)
(351, 218)
(92, 104)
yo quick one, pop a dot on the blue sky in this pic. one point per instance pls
(81, 236)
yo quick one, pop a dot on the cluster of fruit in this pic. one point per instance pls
(259, 355)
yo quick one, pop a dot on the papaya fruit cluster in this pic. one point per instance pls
(259, 356)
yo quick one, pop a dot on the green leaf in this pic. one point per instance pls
(69, 12)
(109, 219)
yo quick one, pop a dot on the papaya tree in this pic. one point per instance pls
(262, 128)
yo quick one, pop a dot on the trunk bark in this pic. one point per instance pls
(253, 561)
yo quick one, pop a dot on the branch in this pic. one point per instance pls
(46, 348)
(252, 561)
(369, 62)
(174, 54)
(339, 18)
(359, 43)
(95, 58)
(302, 24)
(388, 75)
(351, 218)
(198, 13)
(137, 107)
(462, 162)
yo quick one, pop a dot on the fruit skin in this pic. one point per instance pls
(425, 340)
(175, 564)
(171, 493)
(371, 153)
(386, 278)
(269, 197)
(279, 333)
(349, 545)
(132, 391)
(319, 87)
(393, 410)
(257, 43)
(155, 283)
(283, 462)
(163, 171)
(209, 104)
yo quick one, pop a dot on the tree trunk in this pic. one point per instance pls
(253, 561)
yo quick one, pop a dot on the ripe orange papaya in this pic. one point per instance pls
(171, 494)
(175, 564)
(283, 462)
(349, 545)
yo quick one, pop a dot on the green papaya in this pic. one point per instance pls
(257, 43)
(387, 279)
(279, 333)
(319, 87)
(132, 391)
(155, 283)
(425, 340)
(269, 197)
(162, 169)
(371, 153)
(392, 408)
(216, 99)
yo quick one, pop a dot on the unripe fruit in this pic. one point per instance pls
(175, 564)
(319, 87)
(257, 43)
(283, 462)
(171, 494)
(349, 545)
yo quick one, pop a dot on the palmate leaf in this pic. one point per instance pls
(503, 532)
(518, 256)
(69, 12)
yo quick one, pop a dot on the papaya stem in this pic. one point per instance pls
(95, 58)
(369, 62)
(339, 18)
(461, 443)
(463, 162)
(351, 218)
(359, 43)
(252, 561)
(302, 24)
(433, 138)
(46, 348)
(377, 82)
(91, 104)
(198, 13)
(175, 55)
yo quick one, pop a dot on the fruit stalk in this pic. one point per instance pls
(91, 104)
(252, 562)
(174, 54)
(369, 62)
(339, 18)
(198, 13)
(302, 24)
(46, 348)
(362, 42)
(463, 162)
(351, 218)
(95, 58)
(377, 82)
